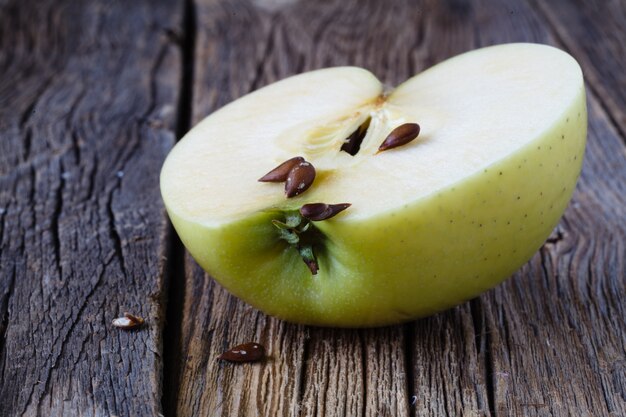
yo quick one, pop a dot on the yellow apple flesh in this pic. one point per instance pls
(432, 223)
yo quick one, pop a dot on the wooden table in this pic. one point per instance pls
(93, 94)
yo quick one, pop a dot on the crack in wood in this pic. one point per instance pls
(188, 52)
(555, 237)
(409, 344)
(54, 221)
(303, 369)
(6, 313)
(152, 91)
(29, 111)
(64, 341)
(482, 346)
(175, 275)
(364, 376)
(52, 363)
(172, 332)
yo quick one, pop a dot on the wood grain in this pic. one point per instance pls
(88, 98)
(91, 94)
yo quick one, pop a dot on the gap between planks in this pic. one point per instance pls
(176, 280)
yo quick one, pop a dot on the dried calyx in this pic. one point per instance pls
(292, 230)
(297, 230)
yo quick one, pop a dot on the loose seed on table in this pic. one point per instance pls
(128, 322)
(246, 352)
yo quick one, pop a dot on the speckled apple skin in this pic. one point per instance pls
(411, 262)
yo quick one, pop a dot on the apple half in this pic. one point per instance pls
(431, 224)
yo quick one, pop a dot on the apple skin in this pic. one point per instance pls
(425, 257)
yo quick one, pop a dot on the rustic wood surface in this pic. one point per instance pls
(88, 99)
(93, 94)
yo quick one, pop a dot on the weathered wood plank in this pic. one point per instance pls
(88, 98)
(214, 321)
(449, 374)
(595, 33)
(355, 372)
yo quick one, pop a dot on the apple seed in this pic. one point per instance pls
(246, 352)
(299, 179)
(399, 136)
(128, 322)
(352, 144)
(320, 211)
(280, 173)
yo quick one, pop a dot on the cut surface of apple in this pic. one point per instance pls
(431, 224)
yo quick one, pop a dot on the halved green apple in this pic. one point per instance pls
(431, 224)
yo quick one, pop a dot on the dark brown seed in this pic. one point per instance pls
(352, 144)
(129, 321)
(280, 173)
(299, 179)
(247, 352)
(321, 211)
(399, 136)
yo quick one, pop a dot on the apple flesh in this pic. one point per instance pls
(431, 224)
